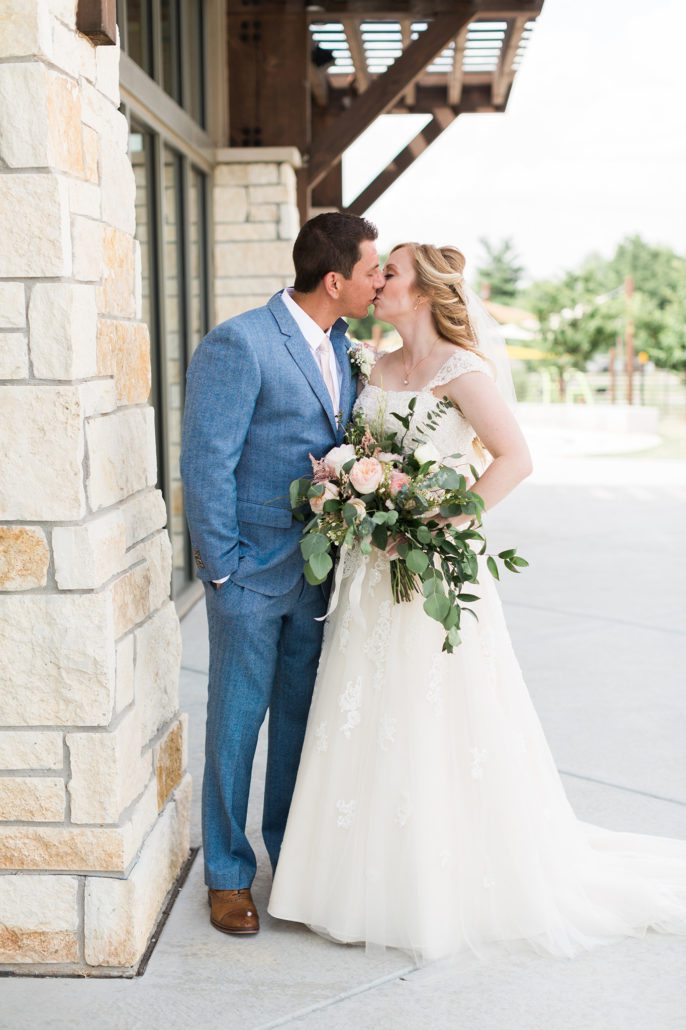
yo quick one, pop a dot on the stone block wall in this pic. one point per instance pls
(256, 220)
(94, 799)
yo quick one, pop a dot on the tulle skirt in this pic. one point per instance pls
(428, 813)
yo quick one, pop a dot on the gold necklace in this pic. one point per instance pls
(406, 380)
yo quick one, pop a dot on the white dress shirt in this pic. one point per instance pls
(313, 334)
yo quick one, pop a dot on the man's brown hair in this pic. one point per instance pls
(329, 243)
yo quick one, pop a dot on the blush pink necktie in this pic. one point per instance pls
(324, 359)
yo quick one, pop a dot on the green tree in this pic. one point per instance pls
(501, 270)
(584, 312)
(361, 328)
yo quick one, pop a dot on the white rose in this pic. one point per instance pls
(338, 456)
(427, 452)
(359, 506)
(330, 494)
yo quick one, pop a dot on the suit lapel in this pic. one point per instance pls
(302, 354)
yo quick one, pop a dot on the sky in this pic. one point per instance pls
(591, 148)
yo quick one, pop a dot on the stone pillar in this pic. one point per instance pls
(93, 796)
(255, 223)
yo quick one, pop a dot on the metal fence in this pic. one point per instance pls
(655, 387)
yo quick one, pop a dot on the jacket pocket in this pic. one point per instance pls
(264, 514)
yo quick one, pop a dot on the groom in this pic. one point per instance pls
(264, 390)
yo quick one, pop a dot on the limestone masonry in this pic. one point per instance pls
(94, 794)
(94, 798)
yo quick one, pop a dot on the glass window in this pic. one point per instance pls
(142, 153)
(196, 65)
(141, 149)
(175, 356)
(139, 33)
(167, 39)
(171, 48)
(198, 257)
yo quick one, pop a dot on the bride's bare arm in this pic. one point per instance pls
(479, 400)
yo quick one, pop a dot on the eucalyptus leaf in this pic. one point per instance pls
(492, 567)
(380, 537)
(437, 606)
(417, 561)
(314, 543)
(321, 565)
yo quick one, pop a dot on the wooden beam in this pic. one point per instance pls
(385, 90)
(442, 118)
(456, 77)
(497, 10)
(356, 47)
(319, 85)
(504, 74)
(97, 19)
(406, 33)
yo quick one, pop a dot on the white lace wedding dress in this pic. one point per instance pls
(428, 813)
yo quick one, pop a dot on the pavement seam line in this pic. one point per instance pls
(619, 786)
(198, 672)
(353, 992)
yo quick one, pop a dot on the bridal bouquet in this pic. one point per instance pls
(373, 491)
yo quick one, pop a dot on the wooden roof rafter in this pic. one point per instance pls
(456, 75)
(442, 117)
(385, 90)
(317, 77)
(356, 47)
(505, 73)
(406, 37)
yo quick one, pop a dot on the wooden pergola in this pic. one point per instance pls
(316, 76)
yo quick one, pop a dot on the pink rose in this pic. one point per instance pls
(366, 474)
(397, 481)
(330, 494)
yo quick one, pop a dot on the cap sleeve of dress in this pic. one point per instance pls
(457, 364)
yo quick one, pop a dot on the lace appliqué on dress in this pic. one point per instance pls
(376, 646)
(346, 813)
(434, 690)
(403, 810)
(457, 364)
(321, 738)
(350, 701)
(387, 731)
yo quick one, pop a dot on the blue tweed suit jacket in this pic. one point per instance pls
(256, 406)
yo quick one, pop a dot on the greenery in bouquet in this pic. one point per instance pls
(376, 490)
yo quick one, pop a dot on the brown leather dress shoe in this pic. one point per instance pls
(233, 911)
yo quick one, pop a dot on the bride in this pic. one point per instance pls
(428, 813)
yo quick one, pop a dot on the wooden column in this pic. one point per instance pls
(269, 59)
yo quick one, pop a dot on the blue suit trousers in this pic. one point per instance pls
(264, 653)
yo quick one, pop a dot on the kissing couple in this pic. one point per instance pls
(411, 800)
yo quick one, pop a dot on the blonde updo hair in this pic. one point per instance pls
(440, 279)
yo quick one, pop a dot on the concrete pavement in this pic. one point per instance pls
(598, 625)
